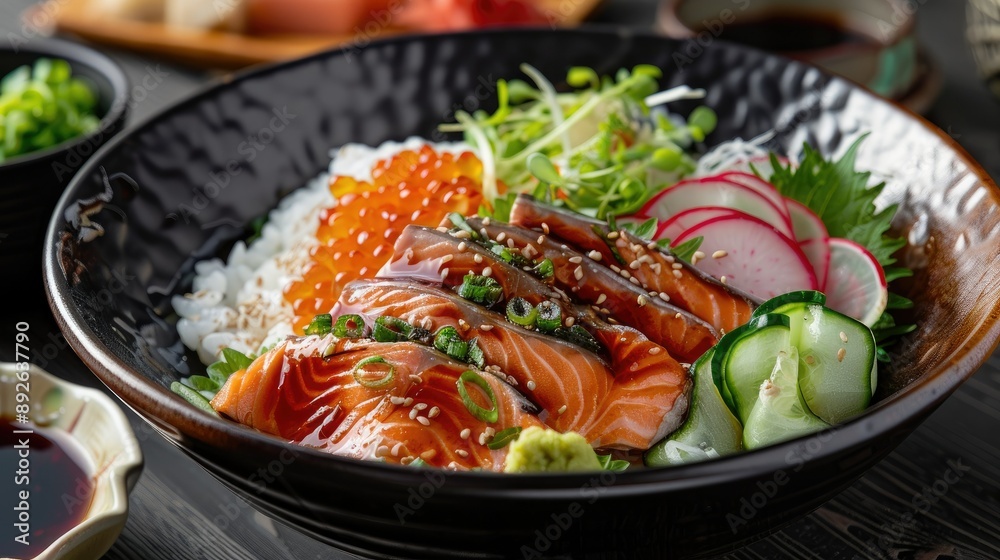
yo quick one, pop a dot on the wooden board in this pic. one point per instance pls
(225, 49)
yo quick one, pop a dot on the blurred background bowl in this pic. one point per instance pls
(31, 184)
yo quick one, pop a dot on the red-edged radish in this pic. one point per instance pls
(751, 255)
(855, 283)
(687, 219)
(811, 234)
(760, 186)
(695, 193)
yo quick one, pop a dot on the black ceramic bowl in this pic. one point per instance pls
(31, 184)
(111, 294)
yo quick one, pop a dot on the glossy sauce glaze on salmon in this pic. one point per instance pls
(319, 392)
(683, 285)
(628, 401)
(618, 295)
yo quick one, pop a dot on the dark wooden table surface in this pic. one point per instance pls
(936, 496)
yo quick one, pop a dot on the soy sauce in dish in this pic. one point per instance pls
(792, 33)
(58, 489)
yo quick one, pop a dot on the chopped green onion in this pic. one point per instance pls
(545, 269)
(479, 412)
(579, 336)
(193, 397)
(504, 437)
(321, 324)
(549, 316)
(481, 289)
(475, 355)
(363, 376)
(349, 326)
(391, 329)
(418, 462)
(459, 221)
(507, 255)
(448, 340)
(520, 312)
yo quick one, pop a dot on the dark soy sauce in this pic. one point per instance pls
(792, 33)
(59, 490)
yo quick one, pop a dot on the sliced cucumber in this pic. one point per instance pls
(838, 370)
(780, 413)
(746, 361)
(710, 430)
(784, 302)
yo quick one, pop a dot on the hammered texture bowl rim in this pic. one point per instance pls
(119, 471)
(180, 420)
(77, 55)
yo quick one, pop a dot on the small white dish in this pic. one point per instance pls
(103, 437)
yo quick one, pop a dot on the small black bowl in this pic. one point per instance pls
(179, 187)
(31, 184)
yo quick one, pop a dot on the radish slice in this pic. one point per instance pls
(758, 259)
(758, 185)
(695, 193)
(817, 251)
(855, 283)
(810, 232)
(687, 219)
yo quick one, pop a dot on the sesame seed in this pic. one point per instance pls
(576, 260)
(444, 273)
(613, 235)
(420, 406)
(486, 221)
(461, 234)
(678, 315)
(396, 400)
(462, 453)
(406, 460)
(447, 258)
(669, 258)
(462, 246)
(664, 296)
(564, 247)
(541, 239)
(634, 265)
(606, 311)
(570, 321)
(463, 324)
(478, 259)
(843, 337)
(723, 279)
(382, 451)
(545, 228)
(407, 401)
(489, 431)
(413, 413)
(641, 301)
(601, 299)
(810, 360)
(482, 439)
(651, 246)
(653, 294)
(654, 350)
(529, 252)
(634, 280)
(423, 420)
(434, 411)
(415, 378)
(531, 385)
(699, 255)
(486, 328)
(501, 237)
(719, 254)
(396, 448)
(562, 410)
(645, 259)
(634, 366)
(625, 274)
(841, 354)
(677, 266)
(428, 455)
(594, 255)
(510, 243)
(464, 434)
(656, 268)
(578, 273)
(483, 232)
(615, 269)
(635, 247)
(487, 272)
(442, 229)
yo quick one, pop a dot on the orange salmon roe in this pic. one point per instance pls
(357, 235)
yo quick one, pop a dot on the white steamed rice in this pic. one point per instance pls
(238, 303)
